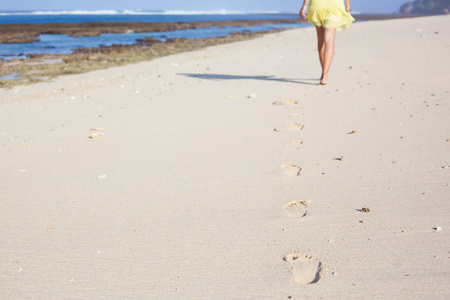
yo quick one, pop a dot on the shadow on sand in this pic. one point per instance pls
(243, 77)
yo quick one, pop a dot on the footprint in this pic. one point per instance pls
(293, 126)
(291, 170)
(294, 144)
(306, 269)
(297, 208)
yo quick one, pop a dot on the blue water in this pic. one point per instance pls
(62, 44)
(10, 76)
(35, 17)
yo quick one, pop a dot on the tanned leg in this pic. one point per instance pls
(328, 37)
(320, 45)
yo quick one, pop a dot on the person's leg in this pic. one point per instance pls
(328, 37)
(320, 45)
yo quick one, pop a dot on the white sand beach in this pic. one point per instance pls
(228, 173)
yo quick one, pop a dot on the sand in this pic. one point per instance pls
(228, 173)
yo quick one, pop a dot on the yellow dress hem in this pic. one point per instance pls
(334, 17)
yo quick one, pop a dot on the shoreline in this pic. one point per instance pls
(28, 33)
(43, 67)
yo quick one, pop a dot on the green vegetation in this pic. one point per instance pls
(426, 7)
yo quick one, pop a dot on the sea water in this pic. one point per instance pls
(61, 44)
(80, 16)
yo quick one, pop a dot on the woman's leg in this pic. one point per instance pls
(320, 45)
(328, 38)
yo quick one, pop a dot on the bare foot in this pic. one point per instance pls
(323, 81)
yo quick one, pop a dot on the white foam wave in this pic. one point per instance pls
(215, 12)
(135, 12)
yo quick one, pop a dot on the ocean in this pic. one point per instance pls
(79, 16)
(61, 44)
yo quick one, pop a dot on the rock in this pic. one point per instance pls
(149, 41)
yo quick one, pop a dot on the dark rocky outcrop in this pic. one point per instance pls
(426, 7)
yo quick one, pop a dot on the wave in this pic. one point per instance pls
(135, 12)
(215, 12)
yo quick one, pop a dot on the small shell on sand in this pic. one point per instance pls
(252, 95)
(353, 132)
(288, 101)
(365, 210)
(96, 135)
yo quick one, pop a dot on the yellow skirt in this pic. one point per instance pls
(329, 14)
